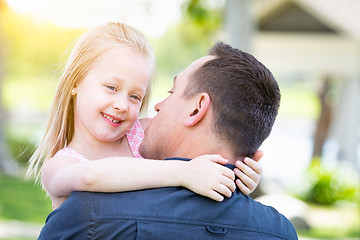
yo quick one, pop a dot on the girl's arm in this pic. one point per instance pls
(204, 175)
(249, 172)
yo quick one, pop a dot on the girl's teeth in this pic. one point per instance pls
(114, 121)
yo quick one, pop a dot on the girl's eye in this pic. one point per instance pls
(113, 88)
(136, 97)
(170, 92)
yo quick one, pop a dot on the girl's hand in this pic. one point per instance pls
(249, 173)
(206, 176)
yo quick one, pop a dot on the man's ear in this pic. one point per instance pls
(200, 108)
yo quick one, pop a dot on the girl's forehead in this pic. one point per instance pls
(120, 63)
(123, 55)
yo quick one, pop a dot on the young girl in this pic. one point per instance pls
(94, 116)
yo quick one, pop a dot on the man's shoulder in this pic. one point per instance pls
(69, 221)
(270, 221)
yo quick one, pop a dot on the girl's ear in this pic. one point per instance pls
(202, 103)
(73, 91)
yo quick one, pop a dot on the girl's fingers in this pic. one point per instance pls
(223, 190)
(227, 172)
(254, 165)
(216, 196)
(252, 169)
(217, 159)
(257, 155)
(248, 182)
(229, 183)
(242, 187)
(245, 180)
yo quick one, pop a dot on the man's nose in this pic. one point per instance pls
(157, 106)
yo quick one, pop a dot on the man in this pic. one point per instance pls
(224, 103)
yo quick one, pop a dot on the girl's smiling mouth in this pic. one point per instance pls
(112, 118)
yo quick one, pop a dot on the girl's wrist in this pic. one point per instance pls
(180, 170)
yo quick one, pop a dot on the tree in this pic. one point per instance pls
(6, 165)
(239, 24)
(324, 120)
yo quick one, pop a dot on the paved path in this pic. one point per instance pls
(19, 229)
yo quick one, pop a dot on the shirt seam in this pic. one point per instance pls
(195, 223)
(91, 213)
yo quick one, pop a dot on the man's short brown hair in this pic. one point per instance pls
(245, 97)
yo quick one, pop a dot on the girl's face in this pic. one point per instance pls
(109, 97)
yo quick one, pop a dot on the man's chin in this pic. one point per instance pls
(143, 150)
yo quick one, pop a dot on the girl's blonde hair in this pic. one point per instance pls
(60, 126)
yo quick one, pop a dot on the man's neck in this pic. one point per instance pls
(197, 146)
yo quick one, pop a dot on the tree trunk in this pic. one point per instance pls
(324, 120)
(239, 24)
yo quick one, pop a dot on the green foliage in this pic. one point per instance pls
(30, 47)
(190, 39)
(22, 200)
(202, 18)
(328, 186)
(329, 233)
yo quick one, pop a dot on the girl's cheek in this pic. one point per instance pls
(135, 114)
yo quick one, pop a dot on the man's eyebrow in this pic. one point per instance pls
(174, 82)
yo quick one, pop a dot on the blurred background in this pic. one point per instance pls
(312, 157)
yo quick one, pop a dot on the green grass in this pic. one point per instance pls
(351, 232)
(331, 233)
(22, 200)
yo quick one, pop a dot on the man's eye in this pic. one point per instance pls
(113, 88)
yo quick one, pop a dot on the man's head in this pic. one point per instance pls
(226, 100)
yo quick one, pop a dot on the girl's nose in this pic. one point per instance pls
(120, 105)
